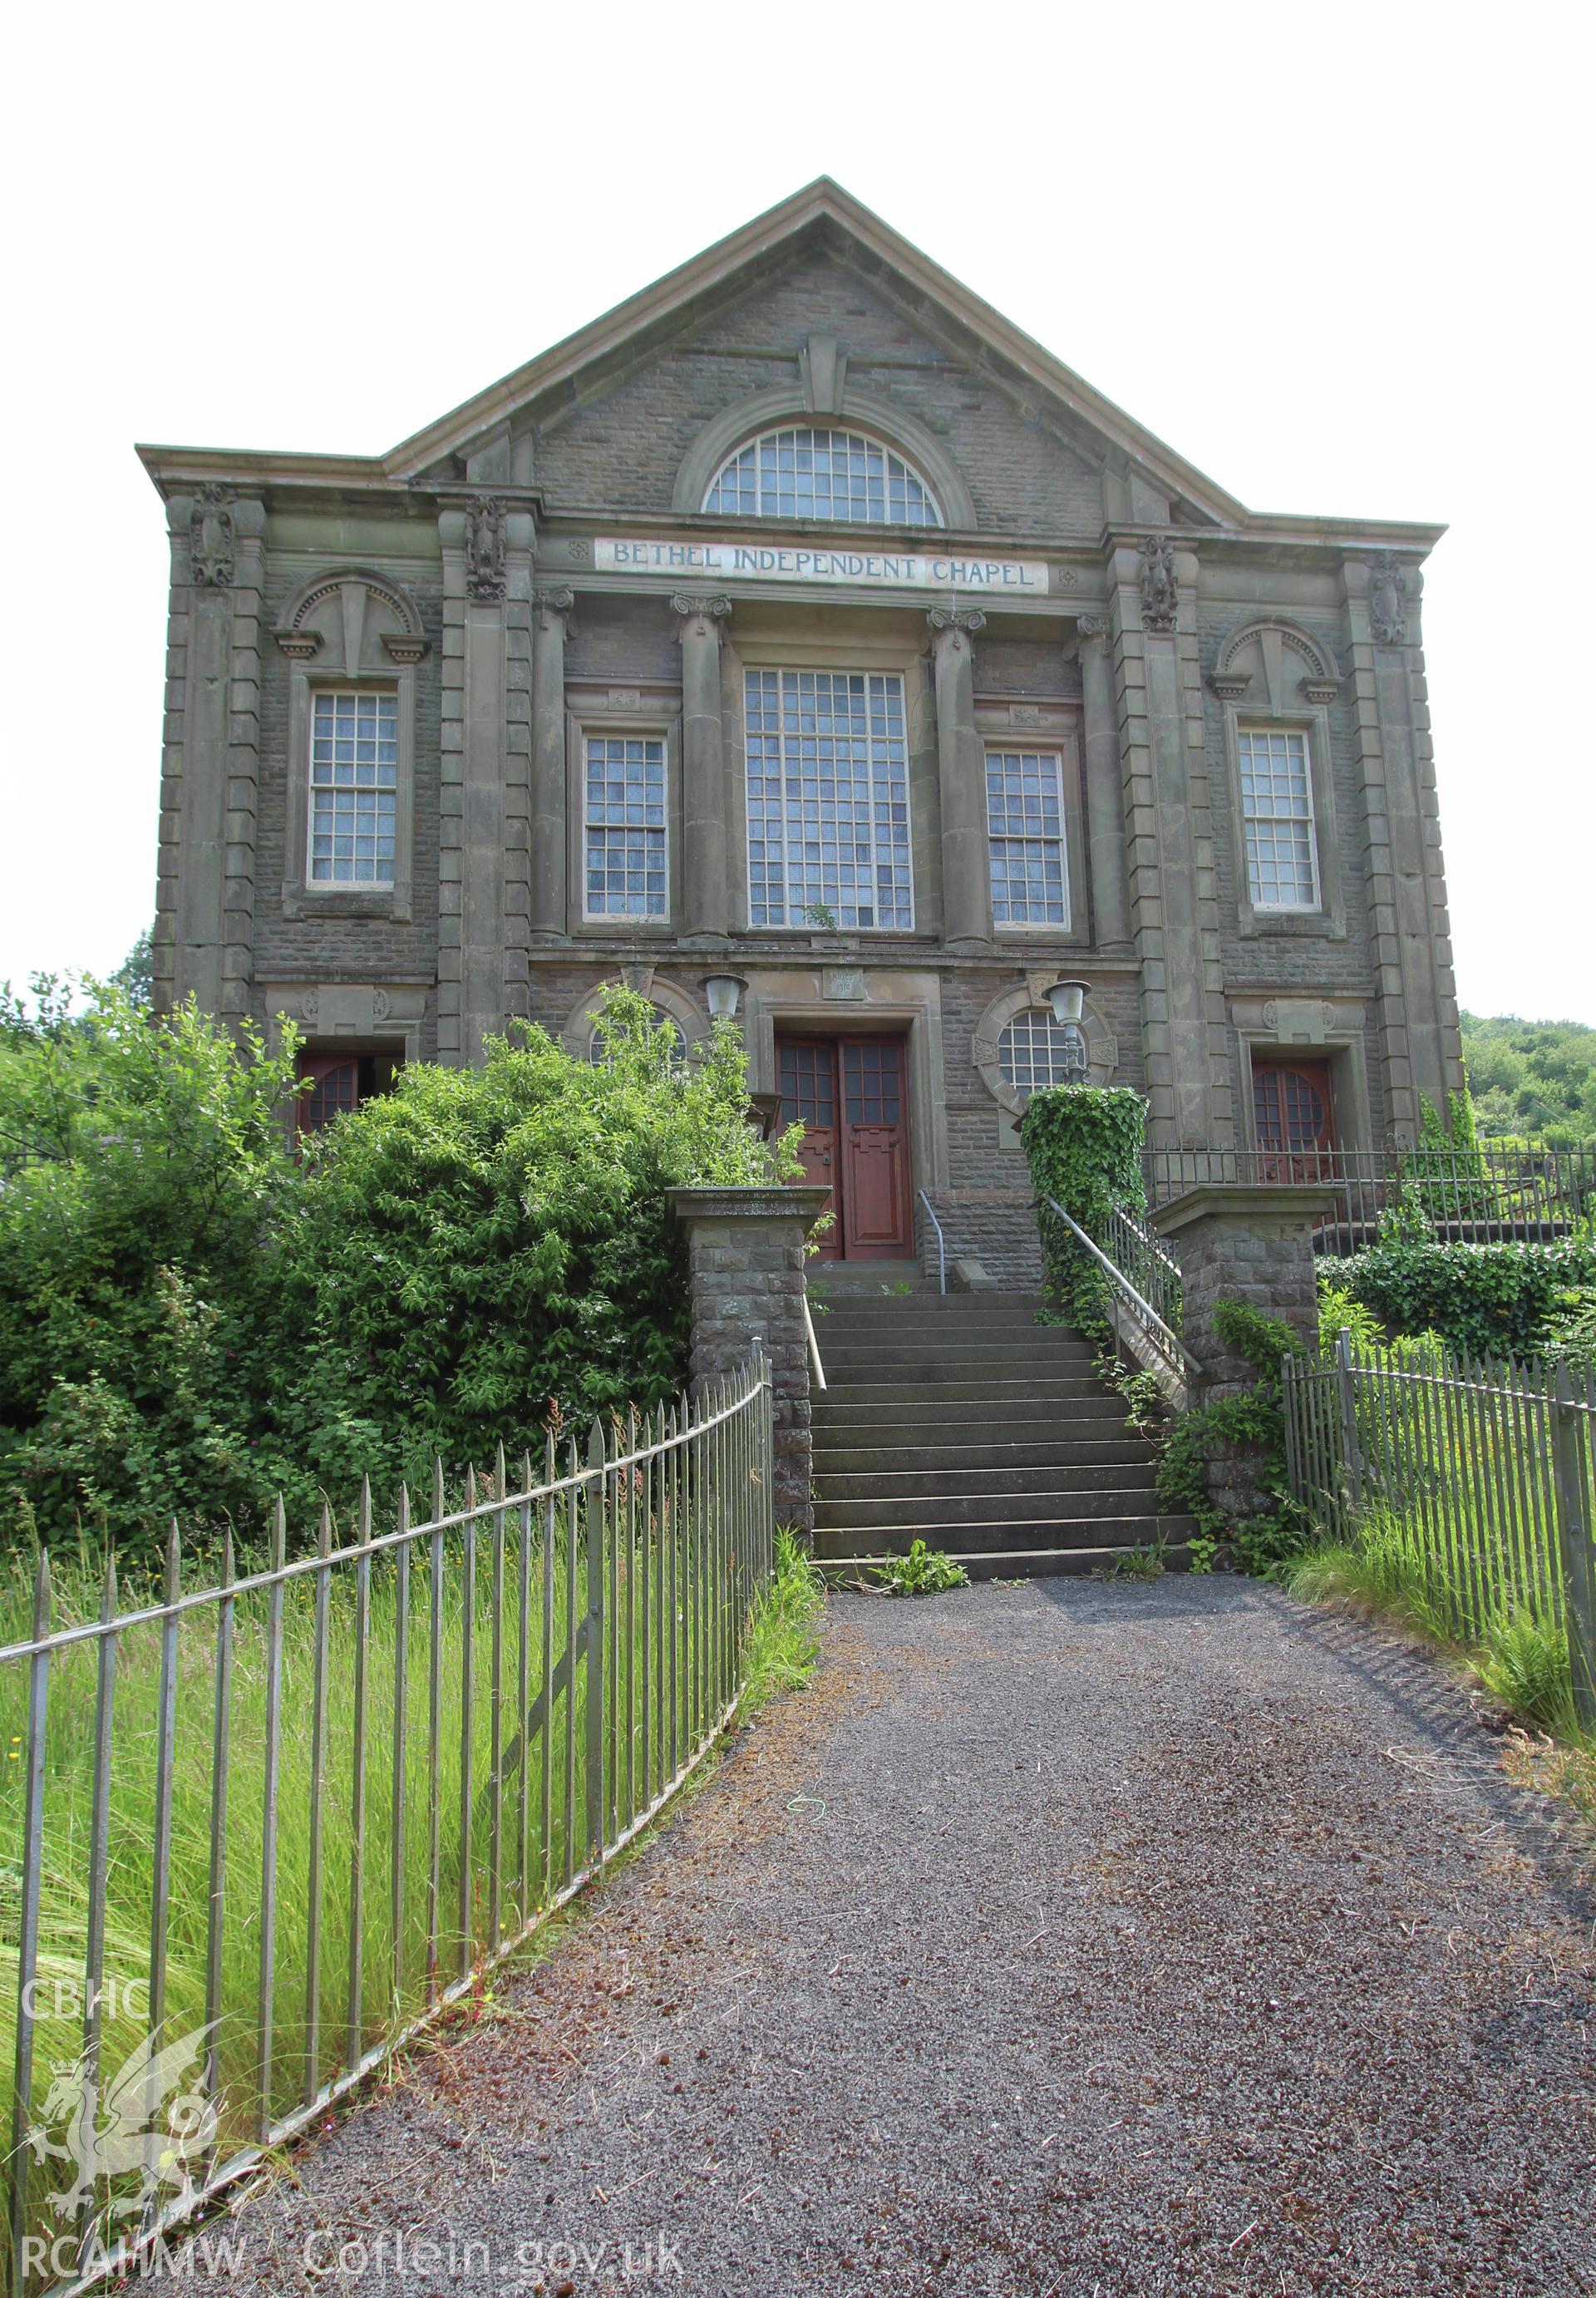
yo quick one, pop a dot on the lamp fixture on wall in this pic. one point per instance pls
(723, 990)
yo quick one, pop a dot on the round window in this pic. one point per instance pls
(1035, 1052)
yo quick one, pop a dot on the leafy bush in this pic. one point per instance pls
(923, 1572)
(1482, 1299)
(195, 1320)
(1083, 1143)
(143, 1177)
(480, 1245)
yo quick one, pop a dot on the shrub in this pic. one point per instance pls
(1083, 1145)
(144, 1174)
(480, 1247)
(1484, 1299)
(195, 1320)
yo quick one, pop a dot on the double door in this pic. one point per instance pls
(848, 1094)
(1293, 1120)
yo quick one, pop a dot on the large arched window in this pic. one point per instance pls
(837, 474)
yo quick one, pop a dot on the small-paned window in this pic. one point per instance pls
(1276, 806)
(828, 775)
(1025, 833)
(598, 1051)
(626, 827)
(354, 788)
(1035, 1052)
(831, 475)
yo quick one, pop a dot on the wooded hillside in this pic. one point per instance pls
(1532, 1077)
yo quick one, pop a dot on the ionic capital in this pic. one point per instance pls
(703, 610)
(952, 626)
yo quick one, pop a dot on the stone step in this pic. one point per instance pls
(846, 1410)
(1106, 1535)
(969, 1312)
(938, 1457)
(1009, 1563)
(933, 1504)
(842, 1363)
(996, 1392)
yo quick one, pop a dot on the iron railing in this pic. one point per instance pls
(263, 1832)
(1160, 1335)
(1136, 1251)
(1487, 1196)
(1482, 1475)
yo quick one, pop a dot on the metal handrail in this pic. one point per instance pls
(941, 1243)
(1169, 1341)
(817, 1369)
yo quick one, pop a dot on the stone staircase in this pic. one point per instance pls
(959, 1419)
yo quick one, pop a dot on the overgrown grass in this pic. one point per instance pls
(1389, 1571)
(445, 1925)
(783, 1642)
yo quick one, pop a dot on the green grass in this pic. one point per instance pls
(1392, 1571)
(779, 1645)
(783, 1640)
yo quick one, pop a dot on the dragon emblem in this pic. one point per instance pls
(148, 2121)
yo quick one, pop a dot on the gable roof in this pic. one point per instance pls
(822, 213)
(755, 247)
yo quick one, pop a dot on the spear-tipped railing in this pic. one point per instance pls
(209, 1790)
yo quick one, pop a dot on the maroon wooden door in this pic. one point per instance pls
(1293, 1118)
(806, 1074)
(876, 1220)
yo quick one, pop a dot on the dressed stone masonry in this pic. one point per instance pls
(1255, 1245)
(745, 1257)
(801, 592)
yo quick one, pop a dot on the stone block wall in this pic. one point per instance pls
(745, 1251)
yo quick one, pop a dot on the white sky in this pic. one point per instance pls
(1337, 257)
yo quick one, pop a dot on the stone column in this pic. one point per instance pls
(962, 775)
(1249, 1245)
(1409, 928)
(206, 885)
(745, 1257)
(1174, 908)
(1104, 793)
(551, 920)
(705, 907)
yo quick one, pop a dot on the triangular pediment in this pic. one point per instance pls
(892, 288)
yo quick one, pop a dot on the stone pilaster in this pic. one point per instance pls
(1409, 928)
(961, 781)
(745, 1255)
(1174, 910)
(1104, 793)
(517, 824)
(705, 904)
(550, 827)
(487, 563)
(206, 885)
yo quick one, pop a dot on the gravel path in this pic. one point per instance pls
(1068, 1938)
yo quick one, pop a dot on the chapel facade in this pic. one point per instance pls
(804, 640)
